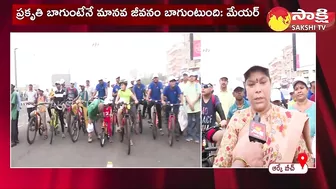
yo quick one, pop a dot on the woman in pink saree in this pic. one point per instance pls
(287, 131)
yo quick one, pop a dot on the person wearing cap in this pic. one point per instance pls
(125, 95)
(116, 87)
(192, 94)
(140, 92)
(225, 96)
(109, 91)
(32, 95)
(155, 89)
(89, 89)
(303, 104)
(276, 97)
(62, 81)
(58, 98)
(285, 131)
(240, 102)
(185, 82)
(210, 106)
(95, 108)
(101, 89)
(172, 94)
(14, 120)
(42, 109)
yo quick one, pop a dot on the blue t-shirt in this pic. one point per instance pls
(172, 94)
(139, 91)
(234, 108)
(310, 93)
(101, 89)
(156, 90)
(209, 111)
(311, 112)
(116, 88)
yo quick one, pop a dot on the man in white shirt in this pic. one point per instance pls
(32, 95)
(89, 89)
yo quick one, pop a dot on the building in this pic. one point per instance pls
(308, 72)
(281, 68)
(178, 58)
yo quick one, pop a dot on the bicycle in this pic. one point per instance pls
(172, 123)
(140, 124)
(104, 135)
(126, 125)
(78, 122)
(67, 113)
(34, 124)
(208, 148)
(54, 119)
(155, 120)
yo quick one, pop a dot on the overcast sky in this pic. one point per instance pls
(231, 54)
(39, 55)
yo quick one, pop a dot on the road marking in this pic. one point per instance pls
(109, 164)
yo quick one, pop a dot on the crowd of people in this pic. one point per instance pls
(256, 96)
(96, 100)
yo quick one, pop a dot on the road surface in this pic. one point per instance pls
(146, 152)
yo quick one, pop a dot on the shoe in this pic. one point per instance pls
(17, 141)
(13, 144)
(110, 140)
(143, 116)
(89, 139)
(197, 141)
(63, 135)
(177, 138)
(189, 139)
(161, 132)
(131, 143)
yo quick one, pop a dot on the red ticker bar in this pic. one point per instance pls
(26, 14)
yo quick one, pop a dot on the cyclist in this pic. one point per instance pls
(82, 101)
(140, 92)
(101, 88)
(59, 97)
(71, 95)
(133, 107)
(116, 87)
(124, 95)
(107, 113)
(42, 98)
(172, 93)
(95, 108)
(155, 90)
(210, 106)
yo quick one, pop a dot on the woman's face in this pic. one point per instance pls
(258, 88)
(300, 91)
(123, 86)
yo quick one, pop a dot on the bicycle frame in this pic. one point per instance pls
(155, 111)
(172, 116)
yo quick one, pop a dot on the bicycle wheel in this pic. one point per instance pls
(114, 123)
(171, 129)
(103, 137)
(128, 132)
(32, 127)
(74, 130)
(40, 130)
(154, 127)
(95, 129)
(140, 122)
(122, 133)
(83, 127)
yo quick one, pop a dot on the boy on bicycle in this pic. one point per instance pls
(172, 94)
(95, 108)
(42, 109)
(107, 113)
(82, 101)
(124, 95)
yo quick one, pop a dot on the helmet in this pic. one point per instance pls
(107, 101)
(275, 95)
(72, 82)
(123, 81)
(138, 79)
(155, 75)
(193, 74)
(57, 82)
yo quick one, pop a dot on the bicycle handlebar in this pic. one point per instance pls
(210, 149)
(171, 104)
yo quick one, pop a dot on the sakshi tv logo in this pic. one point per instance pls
(280, 19)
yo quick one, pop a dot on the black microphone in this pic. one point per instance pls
(257, 130)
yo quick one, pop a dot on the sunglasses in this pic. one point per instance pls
(205, 86)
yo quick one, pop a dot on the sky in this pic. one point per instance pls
(231, 54)
(39, 55)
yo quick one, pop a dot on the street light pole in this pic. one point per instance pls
(294, 51)
(15, 68)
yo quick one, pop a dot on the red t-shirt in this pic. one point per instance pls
(107, 113)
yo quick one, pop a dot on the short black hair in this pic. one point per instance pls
(253, 69)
